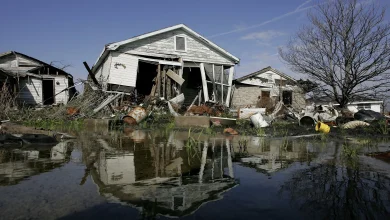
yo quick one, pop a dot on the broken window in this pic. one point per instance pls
(180, 43)
(217, 78)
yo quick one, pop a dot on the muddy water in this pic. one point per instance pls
(148, 174)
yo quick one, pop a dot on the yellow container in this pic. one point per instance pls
(321, 127)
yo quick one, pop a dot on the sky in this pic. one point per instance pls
(70, 32)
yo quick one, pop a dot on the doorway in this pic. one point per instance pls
(48, 91)
(287, 97)
(146, 73)
(192, 84)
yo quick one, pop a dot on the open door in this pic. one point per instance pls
(48, 91)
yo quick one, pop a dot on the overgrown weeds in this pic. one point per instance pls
(7, 102)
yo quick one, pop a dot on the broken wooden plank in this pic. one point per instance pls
(175, 77)
(178, 99)
(106, 102)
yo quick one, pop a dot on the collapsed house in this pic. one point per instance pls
(166, 63)
(267, 85)
(34, 82)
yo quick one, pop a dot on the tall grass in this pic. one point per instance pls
(7, 102)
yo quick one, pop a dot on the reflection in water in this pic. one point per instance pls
(17, 164)
(271, 155)
(163, 173)
(162, 176)
(342, 188)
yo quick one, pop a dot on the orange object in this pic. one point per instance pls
(230, 131)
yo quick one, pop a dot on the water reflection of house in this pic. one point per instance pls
(270, 155)
(176, 179)
(17, 164)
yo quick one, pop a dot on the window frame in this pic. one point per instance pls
(185, 43)
(365, 106)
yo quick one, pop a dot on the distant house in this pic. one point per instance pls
(34, 82)
(268, 83)
(193, 65)
(358, 104)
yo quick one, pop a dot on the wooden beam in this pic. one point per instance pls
(231, 72)
(153, 91)
(159, 80)
(163, 82)
(175, 77)
(94, 80)
(169, 87)
(181, 68)
(204, 83)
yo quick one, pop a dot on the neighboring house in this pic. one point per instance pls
(138, 62)
(34, 82)
(358, 104)
(269, 83)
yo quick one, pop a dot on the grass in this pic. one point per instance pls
(53, 124)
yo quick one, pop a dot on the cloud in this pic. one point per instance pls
(300, 8)
(264, 35)
(303, 4)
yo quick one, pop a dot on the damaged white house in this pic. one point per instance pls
(267, 83)
(33, 81)
(166, 63)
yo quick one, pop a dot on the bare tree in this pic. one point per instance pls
(60, 65)
(345, 49)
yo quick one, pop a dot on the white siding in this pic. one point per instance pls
(125, 74)
(10, 62)
(196, 51)
(103, 71)
(62, 97)
(30, 90)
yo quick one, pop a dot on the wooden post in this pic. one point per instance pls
(169, 88)
(159, 80)
(163, 82)
(231, 72)
(204, 83)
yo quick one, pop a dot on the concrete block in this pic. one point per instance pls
(192, 121)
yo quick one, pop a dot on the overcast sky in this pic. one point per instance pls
(72, 31)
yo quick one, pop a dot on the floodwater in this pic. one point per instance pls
(168, 174)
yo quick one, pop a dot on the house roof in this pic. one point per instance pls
(14, 71)
(116, 45)
(268, 68)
